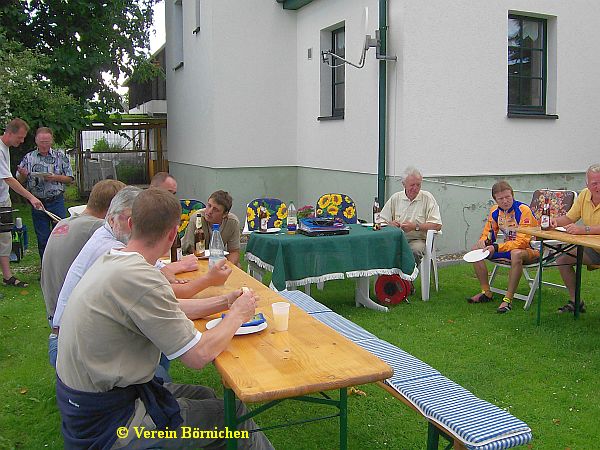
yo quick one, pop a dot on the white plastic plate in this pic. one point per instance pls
(269, 230)
(476, 255)
(370, 224)
(207, 254)
(241, 330)
(561, 229)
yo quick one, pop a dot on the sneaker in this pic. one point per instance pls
(570, 307)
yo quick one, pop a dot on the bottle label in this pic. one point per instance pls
(545, 222)
(179, 254)
(264, 223)
(198, 222)
(200, 247)
(377, 217)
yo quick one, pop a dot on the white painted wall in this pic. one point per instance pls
(233, 104)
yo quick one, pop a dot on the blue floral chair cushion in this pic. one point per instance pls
(188, 207)
(337, 206)
(276, 211)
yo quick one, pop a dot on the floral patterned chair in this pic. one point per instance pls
(188, 207)
(276, 212)
(337, 206)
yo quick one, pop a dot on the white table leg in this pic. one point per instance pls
(361, 295)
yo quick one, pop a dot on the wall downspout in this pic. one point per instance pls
(382, 102)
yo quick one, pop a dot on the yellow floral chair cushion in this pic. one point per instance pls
(276, 212)
(188, 207)
(336, 205)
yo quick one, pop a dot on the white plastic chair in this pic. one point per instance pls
(76, 210)
(428, 261)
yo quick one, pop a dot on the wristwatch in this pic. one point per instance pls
(417, 227)
(587, 229)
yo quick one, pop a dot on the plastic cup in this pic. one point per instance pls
(19, 222)
(281, 315)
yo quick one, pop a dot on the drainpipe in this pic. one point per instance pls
(382, 102)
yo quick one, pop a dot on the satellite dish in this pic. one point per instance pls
(364, 25)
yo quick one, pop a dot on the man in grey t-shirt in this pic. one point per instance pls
(119, 318)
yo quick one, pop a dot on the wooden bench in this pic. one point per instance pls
(452, 412)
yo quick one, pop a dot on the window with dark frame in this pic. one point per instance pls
(527, 59)
(338, 73)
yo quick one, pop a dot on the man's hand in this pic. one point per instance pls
(188, 263)
(408, 226)
(22, 171)
(553, 223)
(479, 244)
(244, 306)
(395, 223)
(574, 229)
(491, 249)
(36, 202)
(218, 274)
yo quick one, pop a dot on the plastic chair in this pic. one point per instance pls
(338, 206)
(428, 262)
(560, 203)
(76, 210)
(188, 207)
(276, 211)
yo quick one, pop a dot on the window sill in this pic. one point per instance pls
(515, 115)
(325, 118)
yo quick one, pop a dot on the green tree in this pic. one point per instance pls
(25, 92)
(89, 44)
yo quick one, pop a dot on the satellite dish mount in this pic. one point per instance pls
(333, 60)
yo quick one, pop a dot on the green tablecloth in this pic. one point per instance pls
(297, 260)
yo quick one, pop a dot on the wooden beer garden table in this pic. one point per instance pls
(578, 240)
(271, 366)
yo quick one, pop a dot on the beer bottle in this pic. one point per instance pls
(263, 218)
(176, 249)
(292, 219)
(545, 219)
(376, 215)
(199, 240)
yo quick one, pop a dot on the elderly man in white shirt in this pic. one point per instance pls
(413, 210)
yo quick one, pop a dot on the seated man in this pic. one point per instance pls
(120, 316)
(586, 208)
(115, 234)
(216, 211)
(505, 216)
(413, 210)
(164, 180)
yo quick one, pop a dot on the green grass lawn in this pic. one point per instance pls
(546, 375)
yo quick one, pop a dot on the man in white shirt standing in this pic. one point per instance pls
(413, 210)
(14, 135)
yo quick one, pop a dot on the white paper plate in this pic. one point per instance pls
(241, 330)
(269, 230)
(207, 254)
(561, 229)
(370, 224)
(476, 255)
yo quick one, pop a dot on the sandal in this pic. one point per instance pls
(481, 298)
(570, 308)
(12, 281)
(504, 309)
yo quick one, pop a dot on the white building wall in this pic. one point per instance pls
(233, 104)
(350, 144)
(448, 90)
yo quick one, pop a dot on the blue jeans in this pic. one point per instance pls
(42, 224)
(52, 348)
